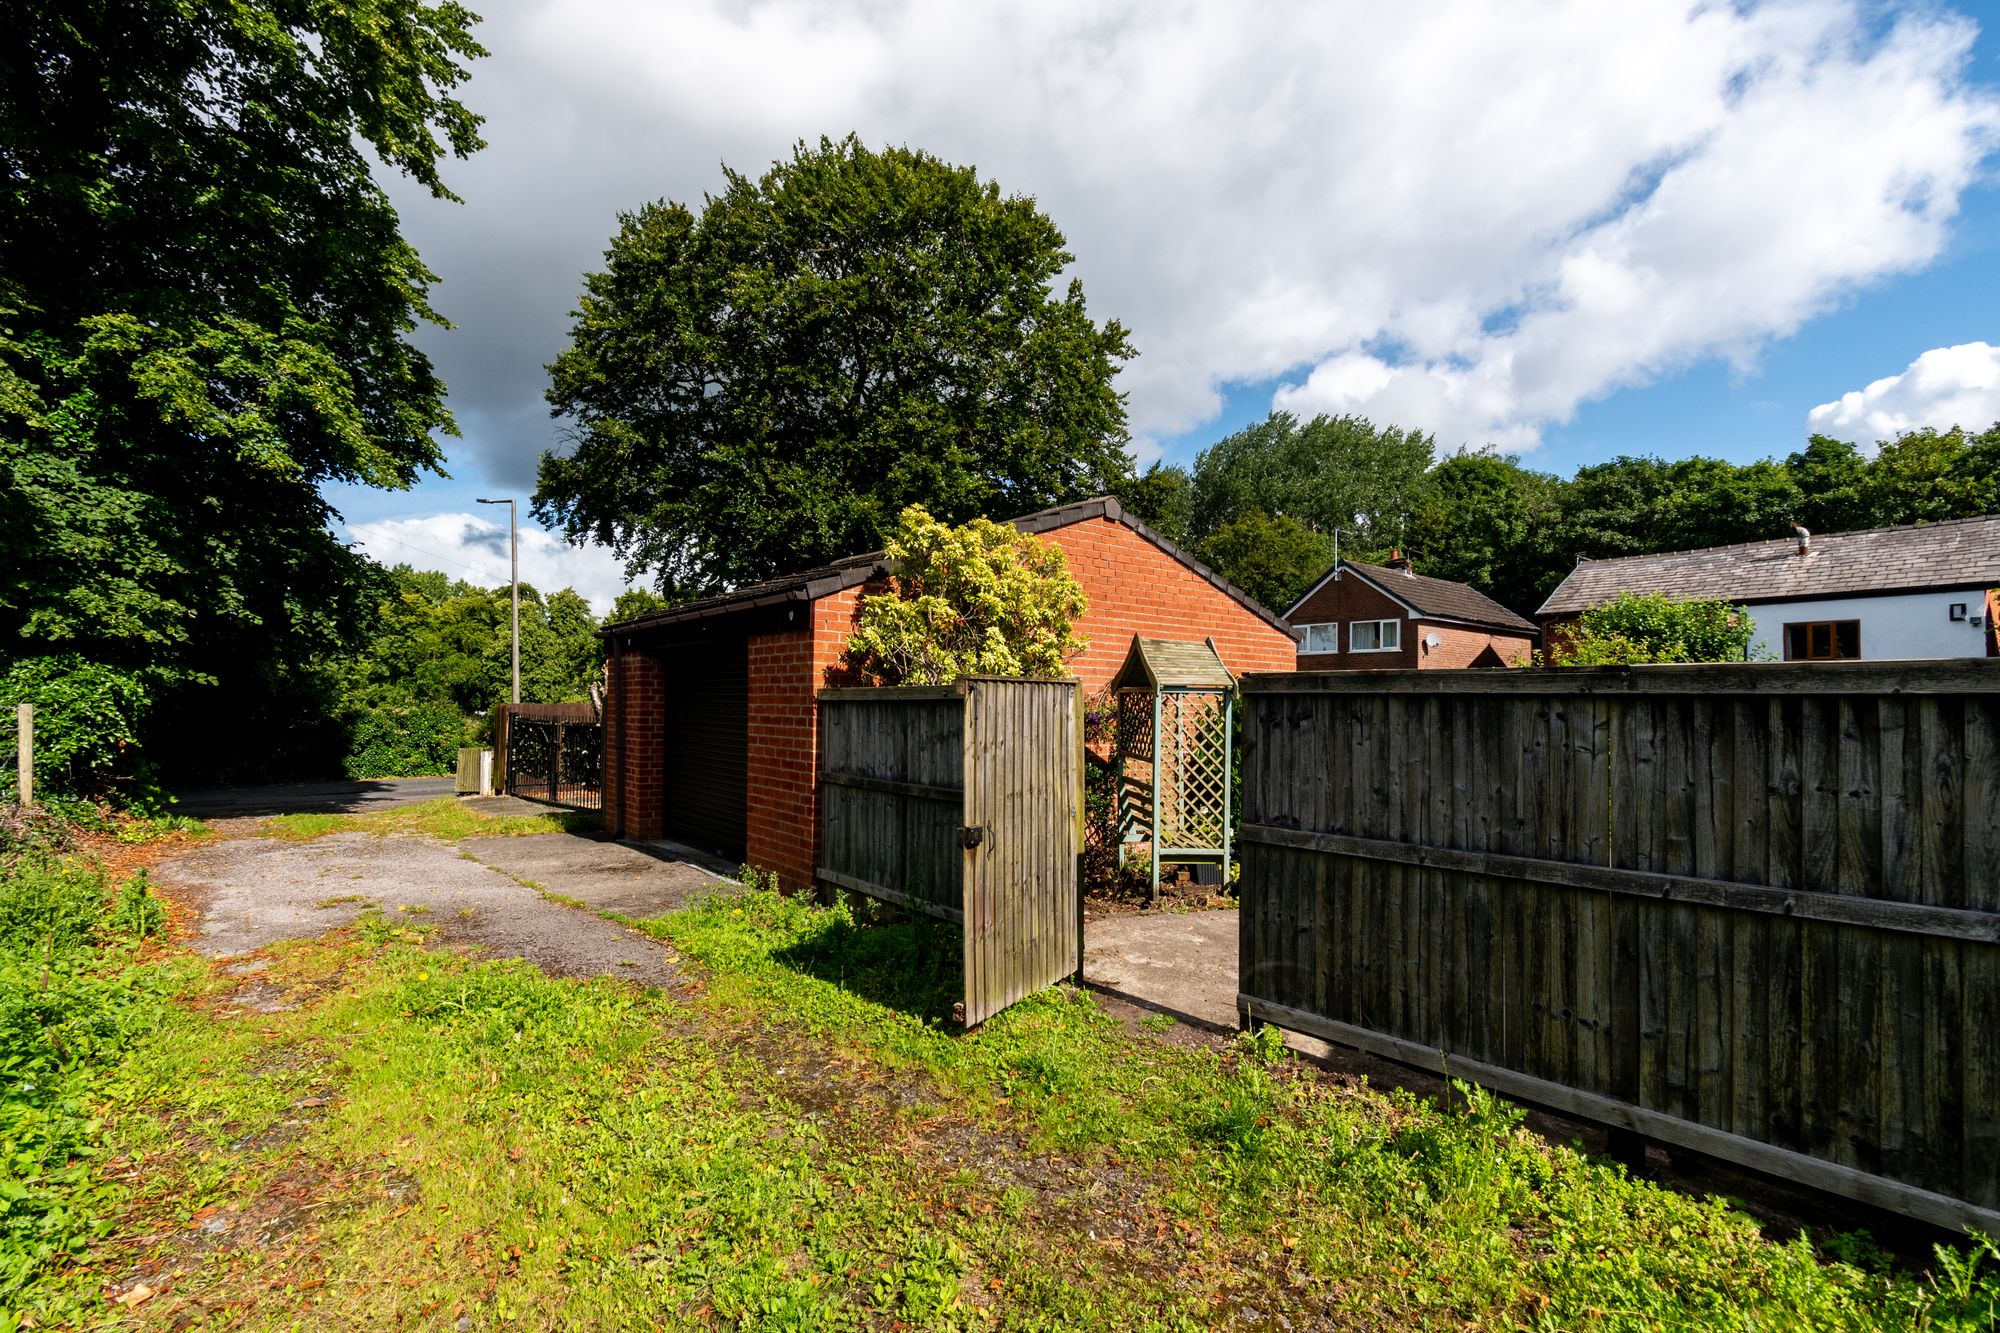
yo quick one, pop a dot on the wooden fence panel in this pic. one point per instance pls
(892, 796)
(1753, 910)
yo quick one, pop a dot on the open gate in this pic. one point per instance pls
(963, 802)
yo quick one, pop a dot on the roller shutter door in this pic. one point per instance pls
(708, 744)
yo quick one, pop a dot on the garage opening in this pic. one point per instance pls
(707, 743)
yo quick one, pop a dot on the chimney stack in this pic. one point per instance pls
(1397, 560)
(1805, 538)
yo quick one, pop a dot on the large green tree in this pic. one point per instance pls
(1484, 519)
(1326, 473)
(770, 380)
(207, 307)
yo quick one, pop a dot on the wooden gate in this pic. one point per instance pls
(1749, 910)
(963, 802)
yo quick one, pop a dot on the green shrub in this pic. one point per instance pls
(976, 600)
(87, 721)
(64, 1017)
(404, 738)
(1653, 627)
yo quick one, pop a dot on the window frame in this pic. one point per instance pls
(1305, 642)
(1833, 628)
(1395, 647)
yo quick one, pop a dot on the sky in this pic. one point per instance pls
(1561, 228)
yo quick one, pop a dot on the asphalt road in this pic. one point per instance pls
(310, 797)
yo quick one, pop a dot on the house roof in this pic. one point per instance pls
(1156, 664)
(1426, 598)
(1961, 553)
(809, 585)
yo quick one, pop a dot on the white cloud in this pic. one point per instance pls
(1945, 387)
(1469, 217)
(474, 548)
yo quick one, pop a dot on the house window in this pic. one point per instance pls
(1321, 638)
(1822, 640)
(1374, 636)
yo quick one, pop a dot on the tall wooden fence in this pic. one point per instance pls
(1750, 910)
(963, 802)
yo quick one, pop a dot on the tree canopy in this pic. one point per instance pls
(1326, 473)
(1260, 505)
(769, 381)
(205, 309)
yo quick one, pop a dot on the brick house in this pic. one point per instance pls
(711, 715)
(1373, 617)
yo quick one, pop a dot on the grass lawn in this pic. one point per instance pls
(370, 1132)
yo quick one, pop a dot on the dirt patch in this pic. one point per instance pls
(1099, 1215)
(174, 1274)
(1178, 893)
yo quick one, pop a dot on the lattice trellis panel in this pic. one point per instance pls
(1193, 770)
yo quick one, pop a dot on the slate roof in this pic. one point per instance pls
(1165, 663)
(1430, 598)
(1960, 553)
(809, 585)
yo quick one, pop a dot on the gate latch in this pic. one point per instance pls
(971, 835)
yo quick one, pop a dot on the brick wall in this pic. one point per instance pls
(635, 768)
(1463, 647)
(783, 756)
(1136, 588)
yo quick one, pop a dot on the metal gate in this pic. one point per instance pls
(963, 802)
(554, 753)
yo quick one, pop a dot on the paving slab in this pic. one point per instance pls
(254, 892)
(631, 880)
(1179, 963)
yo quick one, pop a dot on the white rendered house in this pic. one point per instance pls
(1931, 590)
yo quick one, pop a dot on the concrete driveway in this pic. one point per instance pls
(1182, 963)
(485, 893)
(1179, 963)
(310, 797)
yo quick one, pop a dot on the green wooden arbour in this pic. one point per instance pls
(1176, 712)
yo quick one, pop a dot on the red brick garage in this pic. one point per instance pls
(711, 720)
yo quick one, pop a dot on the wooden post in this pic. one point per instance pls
(1228, 775)
(555, 767)
(25, 740)
(1159, 760)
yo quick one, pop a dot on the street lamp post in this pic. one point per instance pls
(514, 556)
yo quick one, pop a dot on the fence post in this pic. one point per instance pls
(25, 741)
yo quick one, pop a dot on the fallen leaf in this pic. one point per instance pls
(139, 1295)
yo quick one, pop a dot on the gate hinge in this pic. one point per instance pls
(971, 835)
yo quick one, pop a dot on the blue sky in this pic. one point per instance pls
(1586, 230)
